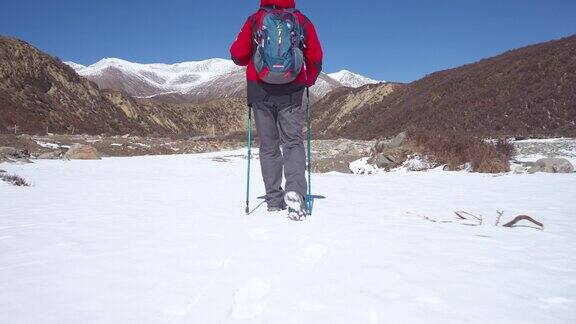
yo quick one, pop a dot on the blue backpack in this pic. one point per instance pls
(278, 57)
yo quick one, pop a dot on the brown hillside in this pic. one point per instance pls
(526, 92)
(340, 107)
(39, 94)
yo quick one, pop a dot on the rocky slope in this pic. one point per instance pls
(341, 107)
(37, 92)
(525, 92)
(40, 94)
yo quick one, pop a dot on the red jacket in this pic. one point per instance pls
(242, 48)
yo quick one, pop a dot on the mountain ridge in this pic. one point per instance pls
(39, 94)
(529, 91)
(193, 81)
(351, 79)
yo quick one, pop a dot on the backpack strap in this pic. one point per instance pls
(255, 23)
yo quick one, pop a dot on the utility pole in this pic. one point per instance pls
(16, 128)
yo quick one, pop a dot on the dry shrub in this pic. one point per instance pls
(456, 150)
(13, 179)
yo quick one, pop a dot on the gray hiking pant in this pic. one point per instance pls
(281, 125)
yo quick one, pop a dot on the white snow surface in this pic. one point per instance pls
(165, 239)
(75, 66)
(350, 79)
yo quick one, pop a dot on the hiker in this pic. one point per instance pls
(283, 55)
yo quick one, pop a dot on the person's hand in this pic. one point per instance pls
(310, 83)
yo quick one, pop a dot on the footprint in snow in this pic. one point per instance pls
(429, 300)
(250, 299)
(312, 307)
(484, 261)
(556, 300)
(314, 253)
(259, 234)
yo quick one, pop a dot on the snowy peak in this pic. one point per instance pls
(145, 80)
(206, 69)
(77, 67)
(192, 81)
(350, 79)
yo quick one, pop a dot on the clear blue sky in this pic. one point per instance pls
(390, 40)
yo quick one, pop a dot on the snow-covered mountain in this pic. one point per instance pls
(350, 79)
(150, 80)
(75, 66)
(191, 81)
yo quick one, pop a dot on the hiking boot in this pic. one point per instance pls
(296, 206)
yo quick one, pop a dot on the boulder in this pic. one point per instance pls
(336, 155)
(11, 154)
(552, 165)
(340, 163)
(389, 154)
(389, 144)
(382, 161)
(82, 152)
(53, 155)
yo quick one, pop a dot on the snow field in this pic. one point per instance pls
(164, 240)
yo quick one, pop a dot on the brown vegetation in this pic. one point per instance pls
(514, 222)
(456, 150)
(13, 179)
(469, 219)
(526, 92)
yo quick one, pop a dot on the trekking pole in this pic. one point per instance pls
(249, 158)
(309, 199)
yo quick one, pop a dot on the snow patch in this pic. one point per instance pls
(350, 79)
(47, 144)
(362, 166)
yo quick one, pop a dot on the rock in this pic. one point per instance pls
(389, 158)
(464, 167)
(11, 154)
(388, 154)
(336, 155)
(346, 147)
(382, 161)
(552, 165)
(339, 163)
(6, 151)
(54, 155)
(82, 152)
(397, 141)
(385, 145)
